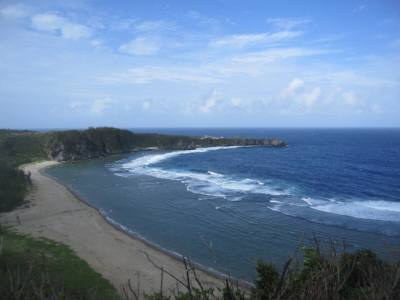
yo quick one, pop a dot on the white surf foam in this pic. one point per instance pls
(361, 209)
(156, 158)
(209, 184)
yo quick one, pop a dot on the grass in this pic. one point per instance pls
(36, 263)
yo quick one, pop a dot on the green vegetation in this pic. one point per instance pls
(43, 269)
(14, 185)
(358, 275)
(16, 148)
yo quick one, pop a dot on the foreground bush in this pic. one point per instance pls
(41, 269)
(358, 275)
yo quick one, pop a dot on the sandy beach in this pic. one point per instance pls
(55, 213)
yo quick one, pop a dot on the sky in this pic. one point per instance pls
(208, 63)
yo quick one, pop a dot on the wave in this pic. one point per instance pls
(362, 209)
(288, 201)
(208, 183)
(156, 158)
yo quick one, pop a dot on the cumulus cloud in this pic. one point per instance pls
(211, 102)
(141, 45)
(311, 98)
(50, 22)
(14, 11)
(293, 87)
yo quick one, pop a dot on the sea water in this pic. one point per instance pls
(227, 207)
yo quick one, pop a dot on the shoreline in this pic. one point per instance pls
(178, 257)
(56, 212)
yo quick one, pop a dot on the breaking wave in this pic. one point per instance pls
(208, 183)
(280, 198)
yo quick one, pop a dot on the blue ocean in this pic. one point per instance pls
(227, 207)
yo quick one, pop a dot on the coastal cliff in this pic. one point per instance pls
(18, 147)
(99, 142)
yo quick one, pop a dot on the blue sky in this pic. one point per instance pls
(220, 63)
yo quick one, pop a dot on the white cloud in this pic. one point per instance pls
(54, 23)
(275, 54)
(14, 11)
(311, 98)
(141, 45)
(99, 106)
(293, 87)
(244, 40)
(211, 102)
(287, 23)
(75, 31)
(47, 22)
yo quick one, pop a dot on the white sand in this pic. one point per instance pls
(56, 214)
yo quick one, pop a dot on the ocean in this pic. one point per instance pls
(225, 208)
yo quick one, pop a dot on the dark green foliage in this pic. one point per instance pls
(86, 144)
(21, 147)
(14, 184)
(358, 275)
(17, 147)
(267, 279)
